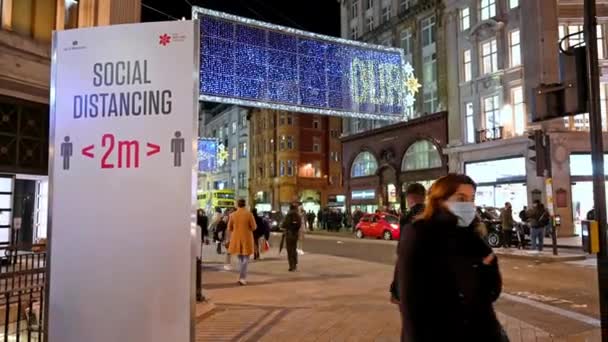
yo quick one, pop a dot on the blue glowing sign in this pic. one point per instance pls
(207, 154)
(247, 62)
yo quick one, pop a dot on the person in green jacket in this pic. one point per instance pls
(506, 219)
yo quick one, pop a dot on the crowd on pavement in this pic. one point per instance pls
(242, 233)
(443, 260)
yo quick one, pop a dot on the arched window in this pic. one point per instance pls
(421, 155)
(364, 165)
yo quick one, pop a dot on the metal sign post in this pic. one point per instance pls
(597, 157)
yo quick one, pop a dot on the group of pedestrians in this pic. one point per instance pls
(446, 277)
(244, 233)
(537, 219)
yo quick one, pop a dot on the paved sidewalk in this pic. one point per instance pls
(329, 299)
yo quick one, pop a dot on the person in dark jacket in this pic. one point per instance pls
(448, 276)
(262, 231)
(292, 224)
(203, 222)
(415, 195)
(539, 220)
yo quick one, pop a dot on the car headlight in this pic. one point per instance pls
(394, 226)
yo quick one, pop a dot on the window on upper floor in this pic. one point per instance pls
(515, 48)
(316, 124)
(234, 127)
(469, 122)
(354, 32)
(406, 43)
(369, 4)
(487, 9)
(491, 111)
(489, 56)
(428, 31)
(370, 23)
(290, 168)
(290, 143)
(465, 18)
(513, 3)
(354, 9)
(386, 11)
(467, 70)
(316, 144)
(404, 5)
(519, 110)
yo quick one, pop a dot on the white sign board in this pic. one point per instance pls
(123, 183)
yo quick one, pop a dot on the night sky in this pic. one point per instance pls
(319, 16)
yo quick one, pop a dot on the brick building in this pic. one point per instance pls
(294, 157)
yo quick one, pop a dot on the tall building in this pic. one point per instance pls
(295, 157)
(382, 158)
(412, 25)
(229, 125)
(501, 50)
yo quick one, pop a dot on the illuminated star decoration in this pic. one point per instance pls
(222, 155)
(412, 85)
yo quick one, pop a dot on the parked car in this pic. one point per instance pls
(380, 225)
(274, 218)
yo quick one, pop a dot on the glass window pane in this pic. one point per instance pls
(5, 201)
(6, 185)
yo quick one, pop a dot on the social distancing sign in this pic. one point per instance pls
(124, 105)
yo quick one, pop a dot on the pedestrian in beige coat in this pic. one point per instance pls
(241, 226)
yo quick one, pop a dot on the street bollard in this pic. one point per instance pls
(199, 281)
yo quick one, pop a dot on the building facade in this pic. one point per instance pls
(295, 157)
(230, 126)
(501, 50)
(379, 164)
(415, 27)
(26, 32)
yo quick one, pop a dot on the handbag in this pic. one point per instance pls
(265, 246)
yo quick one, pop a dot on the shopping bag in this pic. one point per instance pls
(265, 246)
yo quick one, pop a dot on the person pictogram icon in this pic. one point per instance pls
(178, 146)
(66, 152)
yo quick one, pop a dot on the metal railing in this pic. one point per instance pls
(23, 274)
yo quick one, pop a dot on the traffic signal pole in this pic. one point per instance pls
(597, 158)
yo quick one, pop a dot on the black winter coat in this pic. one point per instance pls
(446, 291)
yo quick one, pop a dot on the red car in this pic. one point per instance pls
(378, 226)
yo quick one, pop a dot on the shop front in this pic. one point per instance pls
(311, 200)
(582, 187)
(365, 200)
(381, 163)
(262, 201)
(500, 181)
(337, 202)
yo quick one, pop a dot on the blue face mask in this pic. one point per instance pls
(465, 211)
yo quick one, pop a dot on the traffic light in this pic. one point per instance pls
(569, 97)
(540, 153)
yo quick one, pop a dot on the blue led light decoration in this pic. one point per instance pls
(207, 155)
(252, 63)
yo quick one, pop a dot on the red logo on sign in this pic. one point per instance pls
(165, 39)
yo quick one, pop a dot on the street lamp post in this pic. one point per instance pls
(597, 157)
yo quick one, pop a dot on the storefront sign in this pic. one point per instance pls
(123, 176)
(511, 170)
(363, 194)
(252, 63)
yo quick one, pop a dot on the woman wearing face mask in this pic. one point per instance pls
(448, 275)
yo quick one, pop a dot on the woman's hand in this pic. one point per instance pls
(489, 259)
